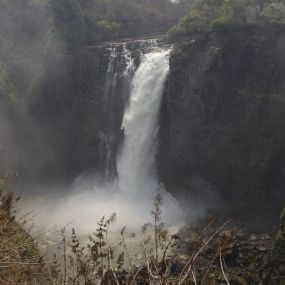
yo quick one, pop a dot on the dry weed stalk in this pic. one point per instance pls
(20, 260)
(94, 262)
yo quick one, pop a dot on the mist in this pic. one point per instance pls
(89, 200)
(142, 142)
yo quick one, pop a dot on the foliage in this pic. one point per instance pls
(33, 31)
(176, 34)
(221, 15)
(20, 260)
(274, 12)
(82, 22)
(70, 25)
(221, 23)
(194, 22)
(109, 29)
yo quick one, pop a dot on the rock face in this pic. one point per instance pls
(223, 121)
(54, 133)
(70, 121)
(68, 104)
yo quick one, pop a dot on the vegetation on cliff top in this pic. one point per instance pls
(223, 15)
(33, 31)
(87, 22)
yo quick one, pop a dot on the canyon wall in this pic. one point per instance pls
(223, 121)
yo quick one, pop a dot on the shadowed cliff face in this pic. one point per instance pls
(68, 104)
(223, 121)
(71, 122)
(54, 133)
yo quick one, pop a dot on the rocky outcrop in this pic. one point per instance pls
(53, 133)
(68, 120)
(67, 103)
(76, 107)
(223, 121)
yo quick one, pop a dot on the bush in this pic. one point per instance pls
(273, 13)
(20, 260)
(108, 29)
(222, 24)
(194, 22)
(222, 15)
(175, 34)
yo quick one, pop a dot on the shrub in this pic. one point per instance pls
(176, 34)
(194, 22)
(20, 260)
(108, 29)
(222, 15)
(222, 24)
(274, 12)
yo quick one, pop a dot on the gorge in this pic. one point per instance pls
(127, 183)
(220, 124)
(142, 142)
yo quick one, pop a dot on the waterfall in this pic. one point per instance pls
(136, 184)
(119, 74)
(136, 162)
(130, 194)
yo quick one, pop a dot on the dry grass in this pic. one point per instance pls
(20, 261)
(160, 263)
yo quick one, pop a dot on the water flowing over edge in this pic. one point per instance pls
(123, 60)
(132, 192)
(137, 178)
(136, 162)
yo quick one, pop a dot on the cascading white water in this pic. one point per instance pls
(135, 164)
(111, 76)
(131, 194)
(120, 71)
(129, 70)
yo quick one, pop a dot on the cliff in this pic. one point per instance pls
(67, 103)
(70, 121)
(223, 121)
(52, 129)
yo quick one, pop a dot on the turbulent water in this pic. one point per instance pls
(136, 163)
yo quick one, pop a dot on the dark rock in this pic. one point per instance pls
(223, 120)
